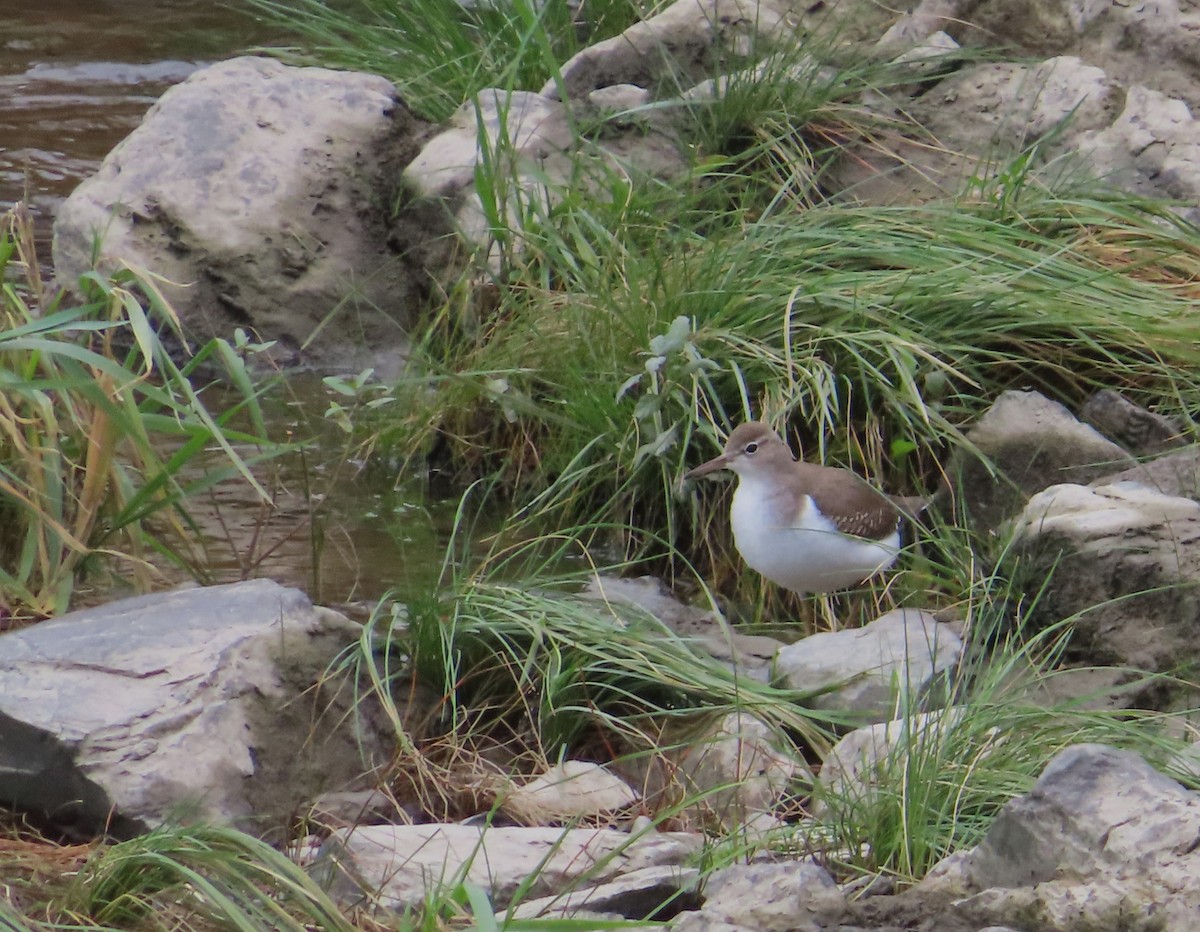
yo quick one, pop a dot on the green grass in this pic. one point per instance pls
(632, 321)
(198, 877)
(97, 425)
(878, 334)
(440, 53)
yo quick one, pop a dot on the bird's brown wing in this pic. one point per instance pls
(853, 505)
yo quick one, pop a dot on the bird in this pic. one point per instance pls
(809, 528)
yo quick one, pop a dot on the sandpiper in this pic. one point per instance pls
(809, 528)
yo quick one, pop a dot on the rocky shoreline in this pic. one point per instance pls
(267, 195)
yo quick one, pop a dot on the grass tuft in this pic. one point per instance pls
(97, 421)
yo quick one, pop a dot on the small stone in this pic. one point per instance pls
(570, 790)
(1140, 431)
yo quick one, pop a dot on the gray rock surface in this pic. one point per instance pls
(1151, 44)
(1137, 430)
(1102, 841)
(569, 790)
(260, 192)
(195, 703)
(649, 893)
(676, 48)
(999, 101)
(733, 774)
(796, 896)
(868, 671)
(1176, 473)
(542, 158)
(1033, 443)
(396, 867)
(853, 767)
(1124, 73)
(1125, 561)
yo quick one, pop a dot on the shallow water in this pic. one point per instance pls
(76, 76)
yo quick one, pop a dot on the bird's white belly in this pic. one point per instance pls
(810, 556)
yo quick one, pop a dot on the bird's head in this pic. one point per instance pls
(751, 448)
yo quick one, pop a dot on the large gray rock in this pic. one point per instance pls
(196, 703)
(873, 670)
(1102, 841)
(1152, 148)
(983, 106)
(1094, 810)
(1113, 98)
(1030, 443)
(397, 867)
(261, 193)
(1125, 564)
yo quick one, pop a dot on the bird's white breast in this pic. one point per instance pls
(802, 552)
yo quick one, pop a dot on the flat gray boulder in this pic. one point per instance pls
(868, 671)
(197, 703)
(259, 191)
(397, 867)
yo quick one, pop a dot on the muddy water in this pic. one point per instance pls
(76, 76)
(341, 531)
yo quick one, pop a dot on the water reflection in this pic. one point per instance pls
(76, 76)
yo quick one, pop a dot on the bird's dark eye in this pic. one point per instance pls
(751, 448)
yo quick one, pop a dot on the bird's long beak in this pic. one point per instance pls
(717, 462)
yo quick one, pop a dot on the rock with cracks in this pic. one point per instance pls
(398, 867)
(196, 704)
